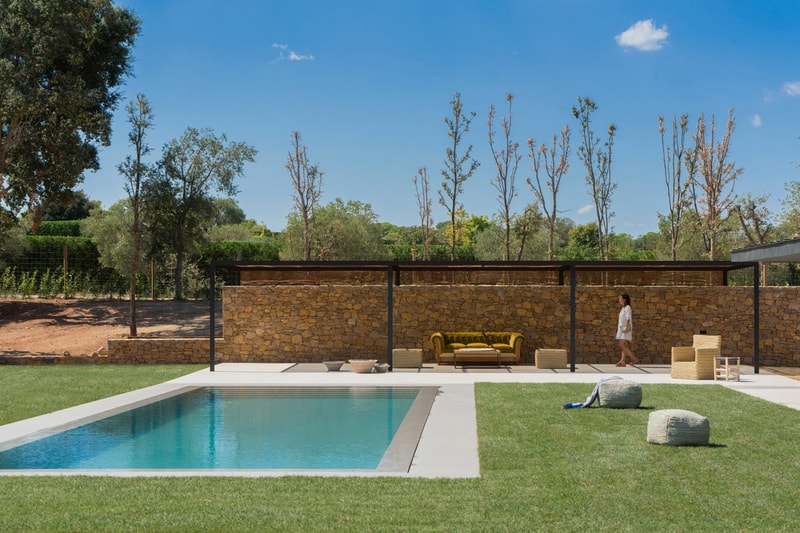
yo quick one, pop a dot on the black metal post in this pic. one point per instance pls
(212, 298)
(573, 281)
(756, 311)
(390, 317)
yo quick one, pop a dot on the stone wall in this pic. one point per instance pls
(305, 323)
(312, 323)
(174, 350)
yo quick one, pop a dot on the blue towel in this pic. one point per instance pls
(592, 397)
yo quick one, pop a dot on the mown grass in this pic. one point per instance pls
(31, 390)
(543, 469)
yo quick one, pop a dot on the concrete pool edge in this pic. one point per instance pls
(446, 446)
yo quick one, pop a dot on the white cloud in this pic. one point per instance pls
(756, 120)
(291, 55)
(791, 88)
(586, 209)
(643, 35)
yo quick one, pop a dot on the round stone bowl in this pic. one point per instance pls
(363, 366)
(381, 368)
(333, 366)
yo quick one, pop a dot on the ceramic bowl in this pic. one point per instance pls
(362, 366)
(333, 366)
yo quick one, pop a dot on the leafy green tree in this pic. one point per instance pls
(458, 167)
(625, 248)
(72, 205)
(791, 208)
(597, 161)
(110, 230)
(524, 228)
(61, 62)
(584, 243)
(178, 198)
(342, 232)
(227, 212)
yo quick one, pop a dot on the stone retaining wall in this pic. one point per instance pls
(312, 323)
(175, 350)
(280, 323)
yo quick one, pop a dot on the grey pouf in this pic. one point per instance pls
(677, 427)
(619, 394)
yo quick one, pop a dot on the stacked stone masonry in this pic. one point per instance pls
(312, 323)
(177, 350)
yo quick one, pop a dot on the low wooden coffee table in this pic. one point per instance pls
(475, 355)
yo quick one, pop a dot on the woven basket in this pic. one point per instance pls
(550, 358)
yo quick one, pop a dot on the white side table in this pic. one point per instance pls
(726, 367)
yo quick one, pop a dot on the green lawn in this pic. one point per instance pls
(543, 469)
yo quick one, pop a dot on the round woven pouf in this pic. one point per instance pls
(677, 427)
(619, 394)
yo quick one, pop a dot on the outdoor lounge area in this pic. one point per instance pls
(304, 312)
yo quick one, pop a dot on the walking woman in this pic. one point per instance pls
(625, 330)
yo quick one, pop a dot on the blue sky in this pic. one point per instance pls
(368, 84)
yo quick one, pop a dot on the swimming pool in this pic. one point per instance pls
(225, 427)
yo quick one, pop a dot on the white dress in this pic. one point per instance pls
(625, 315)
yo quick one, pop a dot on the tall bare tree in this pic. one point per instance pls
(713, 182)
(458, 167)
(673, 156)
(422, 188)
(307, 188)
(549, 166)
(597, 161)
(506, 161)
(135, 171)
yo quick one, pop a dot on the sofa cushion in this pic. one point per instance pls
(502, 347)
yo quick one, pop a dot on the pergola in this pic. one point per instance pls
(560, 271)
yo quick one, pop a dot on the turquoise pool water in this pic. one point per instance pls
(233, 428)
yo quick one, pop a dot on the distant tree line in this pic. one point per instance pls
(61, 66)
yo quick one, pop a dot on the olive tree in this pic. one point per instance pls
(179, 199)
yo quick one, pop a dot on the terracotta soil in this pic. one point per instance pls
(80, 327)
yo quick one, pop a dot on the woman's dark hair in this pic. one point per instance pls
(626, 297)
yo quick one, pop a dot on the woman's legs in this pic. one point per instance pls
(625, 346)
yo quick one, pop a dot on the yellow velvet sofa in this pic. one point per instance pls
(509, 343)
